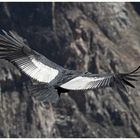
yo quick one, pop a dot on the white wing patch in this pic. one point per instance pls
(81, 83)
(36, 69)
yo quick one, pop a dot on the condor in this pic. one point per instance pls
(52, 78)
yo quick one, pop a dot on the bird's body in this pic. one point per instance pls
(47, 73)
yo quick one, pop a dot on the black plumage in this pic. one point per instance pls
(52, 76)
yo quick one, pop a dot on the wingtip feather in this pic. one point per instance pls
(135, 70)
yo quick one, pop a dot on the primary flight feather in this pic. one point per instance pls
(49, 74)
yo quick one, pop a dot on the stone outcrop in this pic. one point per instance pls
(95, 37)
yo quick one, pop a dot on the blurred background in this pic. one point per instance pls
(94, 37)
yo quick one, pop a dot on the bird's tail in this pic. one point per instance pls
(44, 93)
(11, 45)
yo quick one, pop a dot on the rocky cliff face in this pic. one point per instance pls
(95, 37)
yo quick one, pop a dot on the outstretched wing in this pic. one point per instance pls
(35, 65)
(100, 81)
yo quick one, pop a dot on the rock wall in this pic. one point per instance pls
(95, 37)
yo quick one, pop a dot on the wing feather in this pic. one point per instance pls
(30, 62)
(98, 81)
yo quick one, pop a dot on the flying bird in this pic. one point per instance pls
(52, 78)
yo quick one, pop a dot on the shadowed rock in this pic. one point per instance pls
(95, 37)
